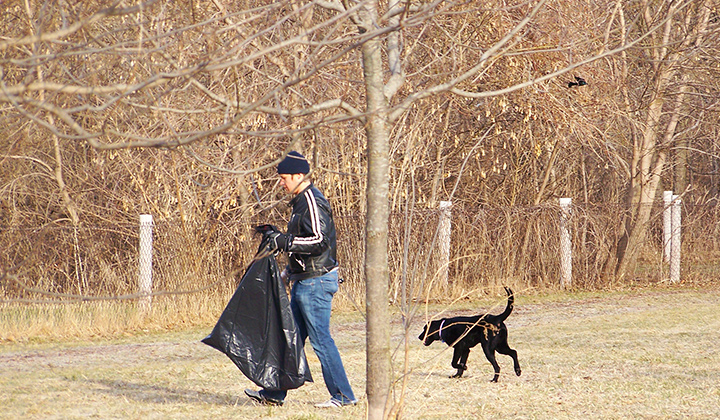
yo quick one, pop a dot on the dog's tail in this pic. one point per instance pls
(510, 302)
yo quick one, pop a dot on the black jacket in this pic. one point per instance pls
(313, 251)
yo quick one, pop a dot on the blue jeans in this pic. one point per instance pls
(311, 303)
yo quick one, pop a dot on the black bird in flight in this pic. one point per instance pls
(579, 82)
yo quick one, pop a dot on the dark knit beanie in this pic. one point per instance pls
(294, 163)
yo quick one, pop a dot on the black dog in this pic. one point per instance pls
(464, 332)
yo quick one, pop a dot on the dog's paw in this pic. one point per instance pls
(518, 371)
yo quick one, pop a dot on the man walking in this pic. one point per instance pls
(310, 243)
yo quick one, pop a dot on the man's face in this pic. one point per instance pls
(291, 182)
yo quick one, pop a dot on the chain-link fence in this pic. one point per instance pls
(518, 246)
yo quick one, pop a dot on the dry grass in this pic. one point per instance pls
(641, 354)
(86, 320)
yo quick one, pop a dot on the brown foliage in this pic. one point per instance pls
(220, 91)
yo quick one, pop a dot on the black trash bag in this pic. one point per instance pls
(258, 333)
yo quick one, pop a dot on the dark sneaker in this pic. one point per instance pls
(258, 397)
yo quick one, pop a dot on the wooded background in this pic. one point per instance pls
(182, 109)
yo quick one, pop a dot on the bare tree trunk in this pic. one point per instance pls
(650, 154)
(644, 184)
(376, 239)
(681, 164)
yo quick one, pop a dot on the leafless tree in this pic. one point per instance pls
(232, 85)
(668, 53)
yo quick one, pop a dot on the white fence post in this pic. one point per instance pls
(145, 261)
(444, 234)
(675, 239)
(565, 244)
(667, 224)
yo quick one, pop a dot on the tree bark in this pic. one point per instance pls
(376, 242)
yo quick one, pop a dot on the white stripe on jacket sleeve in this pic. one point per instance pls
(317, 236)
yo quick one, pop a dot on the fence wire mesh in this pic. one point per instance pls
(519, 246)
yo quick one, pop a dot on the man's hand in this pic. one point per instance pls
(280, 241)
(285, 275)
(273, 241)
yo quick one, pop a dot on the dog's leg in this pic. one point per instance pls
(459, 360)
(490, 354)
(504, 348)
(463, 360)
